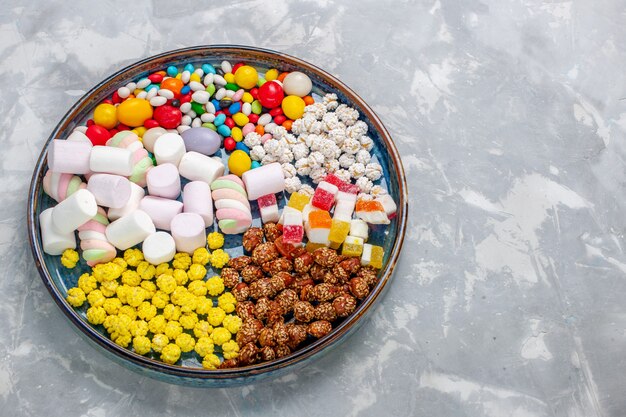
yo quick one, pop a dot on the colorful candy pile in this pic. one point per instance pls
(146, 170)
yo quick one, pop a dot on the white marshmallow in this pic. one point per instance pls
(169, 148)
(53, 242)
(136, 194)
(74, 211)
(78, 136)
(69, 157)
(111, 160)
(197, 199)
(188, 232)
(159, 248)
(130, 230)
(161, 210)
(198, 167)
(164, 181)
(110, 190)
(264, 180)
(150, 136)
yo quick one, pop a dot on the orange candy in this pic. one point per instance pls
(287, 124)
(308, 100)
(173, 84)
(260, 130)
(320, 219)
(282, 76)
(363, 205)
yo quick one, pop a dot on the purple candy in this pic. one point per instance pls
(202, 140)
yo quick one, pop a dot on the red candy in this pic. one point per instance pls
(253, 118)
(271, 94)
(121, 126)
(229, 144)
(267, 200)
(322, 199)
(185, 99)
(279, 119)
(116, 98)
(275, 112)
(334, 180)
(236, 67)
(150, 123)
(98, 135)
(155, 78)
(168, 117)
(254, 93)
(229, 122)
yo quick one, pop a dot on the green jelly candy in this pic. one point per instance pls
(198, 108)
(256, 107)
(232, 87)
(210, 89)
(210, 126)
(260, 81)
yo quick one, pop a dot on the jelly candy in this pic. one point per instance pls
(268, 208)
(353, 246)
(372, 256)
(372, 212)
(298, 201)
(324, 197)
(318, 227)
(293, 231)
(338, 232)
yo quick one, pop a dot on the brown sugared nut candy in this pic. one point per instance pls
(369, 274)
(265, 252)
(245, 310)
(241, 292)
(344, 305)
(240, 262)
(318, 272)
(330, 278)
(359, 288)
(287, 298)
(252, 238)
(251, 273)
(275, 313)
(278, 265)
(282, 350)
(307, 293)
(281, 334)
(325, 256)
(297, 334)
(342, 275)
(303, 311)
(266, 337)
(282, 280)
(248, 354)
(351, 265)
(302, 263)
(267, 354)
(326, 292)
(229, 363)
(249, 331)
(230, 277)
(272, 231)
(261, 308)
(297, 251)
(302, 281)
(318, 328)
(261, 288)
(325, 311)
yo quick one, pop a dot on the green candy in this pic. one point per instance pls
(257, 107)
(219, 184)
(197, 108)
(232, 87)
(210, 126)
(227, 223)
(210, 89)
(93, 254)
(261, 81)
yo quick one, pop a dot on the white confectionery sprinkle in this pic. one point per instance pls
(297, 127)
(330, 101)
(337, 135)
(289, 170)
(331, 165)
(377, 191)
(316, 159)
(272, 147)
(364, 184)
(367, 143)
(330, 121)
(268, 159)
(344, 174)
(363, 157)
(357, 130)
(373, 171)
(318, 174)
(300, 150)
(357, 170)
(364, 197)
(347, 114)
(292, 184)
(307, 189)
(285, 157)
(351, 146)
(257, 153)
(279, 132)
(303, 167)
(316, 109)
(346, 160)
(252, 139)
(329, 149)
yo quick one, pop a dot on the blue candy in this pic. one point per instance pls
(255, 164)
(242, 147)
(189, 67)
(219, 120)
(208, 68)
(185, 90)
(216, 104)
(172, 71)
(234, 108)
(223, 129)
(151, 86)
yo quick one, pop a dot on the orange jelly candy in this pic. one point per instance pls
(320, 219)
(363, 205)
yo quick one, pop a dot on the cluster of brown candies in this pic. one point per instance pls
(288, 296)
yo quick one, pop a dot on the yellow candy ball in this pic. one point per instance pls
(246, 77)
(134, 111)
(271, 75)
(293, 107)
(105, 115)
(239, 162)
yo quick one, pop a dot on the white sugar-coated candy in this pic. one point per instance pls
(111, 160)
(150, 136)
(197, 167)
(164, 181)
(74, 211)
(123, 92)
(164, 92)
(136, 194)
(130, 230)
(197, 199)
(201, 97)
(226, 67)
(54, 242)
(78, 136)
(297, 83)
(359, 228)
(169, 148)
(188, 232)
(69, 157)
(264, 180)
(157, 101)
(161, 210)
(264, 119)
(185, 76)
(159, 248)
(110, 190)
(185, 107)
(219, 81)
(196, 86)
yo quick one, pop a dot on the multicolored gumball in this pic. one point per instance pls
(93, 242)
(60, 186)
(231, 201)
(142, 163)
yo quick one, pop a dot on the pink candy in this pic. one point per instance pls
(324, 197)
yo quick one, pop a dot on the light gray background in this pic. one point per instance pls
(510, 116)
